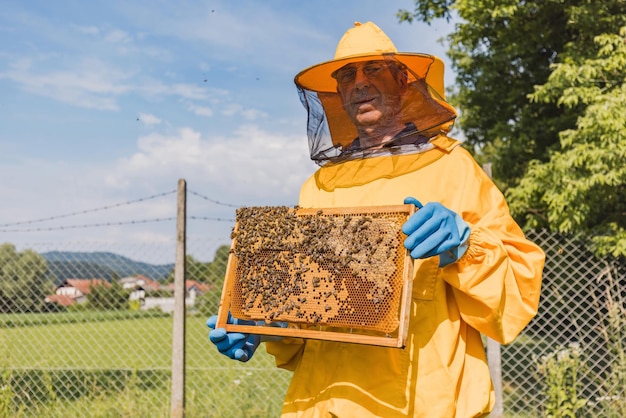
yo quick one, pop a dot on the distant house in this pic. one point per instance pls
(73, 291)
(63, 300)
(193, 289)
(133, 282)
(139, 285)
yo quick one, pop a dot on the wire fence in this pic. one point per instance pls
(88, 332)
(570, 361)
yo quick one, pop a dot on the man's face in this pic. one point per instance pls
(369, 91)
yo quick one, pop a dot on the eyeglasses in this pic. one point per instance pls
(347, 74)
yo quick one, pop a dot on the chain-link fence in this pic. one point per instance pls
(88, 332)
(571, 360)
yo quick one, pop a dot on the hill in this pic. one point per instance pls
(103, 265)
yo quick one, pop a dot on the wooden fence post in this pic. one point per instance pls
(178, 335)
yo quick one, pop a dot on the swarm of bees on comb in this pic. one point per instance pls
(319, 267)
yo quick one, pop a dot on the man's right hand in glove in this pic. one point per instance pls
(234, 345)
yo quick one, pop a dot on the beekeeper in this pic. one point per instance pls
(377, 125)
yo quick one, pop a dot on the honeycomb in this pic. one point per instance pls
(328, 267)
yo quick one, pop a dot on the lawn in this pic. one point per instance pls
(122, 368)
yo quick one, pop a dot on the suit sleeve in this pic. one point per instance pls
(497, 282)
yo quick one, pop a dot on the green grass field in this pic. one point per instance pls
(121, 368)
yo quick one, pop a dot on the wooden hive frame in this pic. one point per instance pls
(336, 274)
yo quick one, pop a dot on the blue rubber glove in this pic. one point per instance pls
(435, 230)
(234, 345)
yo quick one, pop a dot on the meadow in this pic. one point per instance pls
(120, 367)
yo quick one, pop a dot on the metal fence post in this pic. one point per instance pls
(494, 357)
(178, 343)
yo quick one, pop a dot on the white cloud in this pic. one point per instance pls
(227, 34)
(253, 114)
(252, 162)
(200, 110)
(94, 84)
(21, 64)
(150, 237)
(231, 109)
(91, 84)
(156, 88)
(117, 36)
(188, 91)
(148, 119)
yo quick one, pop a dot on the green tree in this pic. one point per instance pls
(208, 303)
(540, 86)
(194, 270)
(501, 49)
(583, 185)
(216, 270)
(211, 272)
(24, 280)
(108, 297)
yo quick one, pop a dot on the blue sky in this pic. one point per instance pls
(104, 102)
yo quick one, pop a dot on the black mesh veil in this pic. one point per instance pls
(333, 136)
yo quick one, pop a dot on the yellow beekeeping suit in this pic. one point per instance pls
(493, 289)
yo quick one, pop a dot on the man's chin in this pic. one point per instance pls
(368, 118)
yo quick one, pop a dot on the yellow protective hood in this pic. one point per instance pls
(423, 104)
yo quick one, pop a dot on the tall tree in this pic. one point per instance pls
(209, 301)
(24, 281)
(583, 185)
(540, 89)
(216, 271)
(501, 49)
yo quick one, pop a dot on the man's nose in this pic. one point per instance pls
(360, 79)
